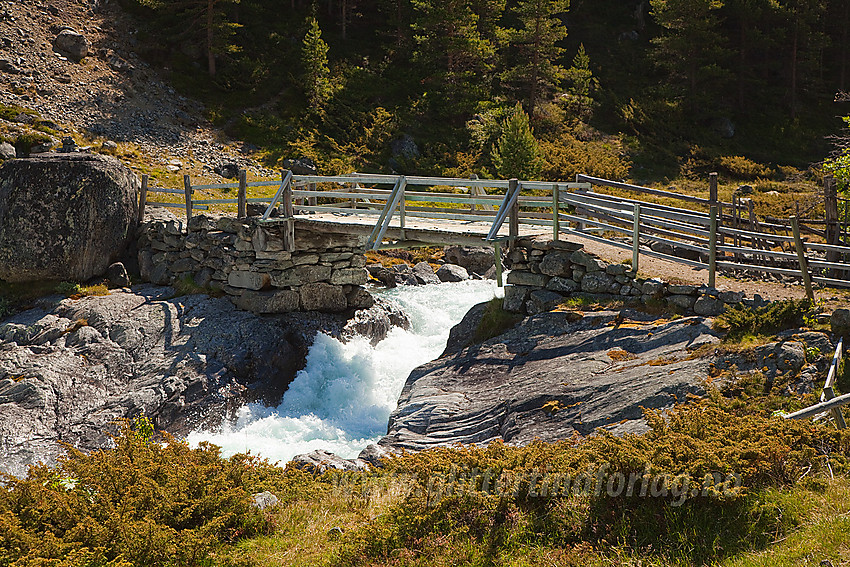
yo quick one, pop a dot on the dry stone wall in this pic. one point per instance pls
(245, 259)
(545, 272)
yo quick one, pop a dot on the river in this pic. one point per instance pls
(343, 397)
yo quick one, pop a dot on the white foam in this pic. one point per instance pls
(343, 397)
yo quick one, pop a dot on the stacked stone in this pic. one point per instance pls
(246, 260)
(544, 272)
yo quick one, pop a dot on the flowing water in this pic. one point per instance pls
(343, 397)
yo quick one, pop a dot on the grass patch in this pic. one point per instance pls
(74, 290)
(187, 286)
(495, 320)
(590, 303)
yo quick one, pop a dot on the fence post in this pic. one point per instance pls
(143, 197)
(187, 191)
(497, 253)
(556, 222)
(636, 239)
(289, 216)
(402, 210)
(832, 229)
(312, 200)
(801, 256)
(513, 227)
(242, 197)
(712, 248)
(714, 199)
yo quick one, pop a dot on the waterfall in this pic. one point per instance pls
(343, 397)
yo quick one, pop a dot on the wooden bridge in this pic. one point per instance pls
(401, 212)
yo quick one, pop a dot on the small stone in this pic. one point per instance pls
(652, 287)
(515, 296)
(562, 285)
(527, 279)
(682, 301)
(268, 302)
(840, 322)
(542, 300)
(731, 296)
(248, 280)
(424, 273)
(709, 306)
(557, 264)
(675, 289)
(452, 273)
(617, 269)
(264, 500)
(7, 151)
(597, 282)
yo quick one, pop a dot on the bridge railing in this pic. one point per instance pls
(697, 238)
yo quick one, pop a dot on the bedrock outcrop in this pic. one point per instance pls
(553, 375)
(69, 369)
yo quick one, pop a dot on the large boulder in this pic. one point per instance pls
(74, 44)
(64, 216)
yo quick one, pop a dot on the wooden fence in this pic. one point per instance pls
(828, 400)
(714, 238)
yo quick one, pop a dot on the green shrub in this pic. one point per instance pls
(141, 503)
(710, 437)
(25, 142)
(740, 167)
(740, 321)
(68, 288)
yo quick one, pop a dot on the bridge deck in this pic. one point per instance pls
(417, 230)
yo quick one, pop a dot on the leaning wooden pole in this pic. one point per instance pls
(143, 197)
(801, 257)
(513, 214)
(242, 196)
(187, 191)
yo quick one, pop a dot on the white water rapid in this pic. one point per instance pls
(343, 397)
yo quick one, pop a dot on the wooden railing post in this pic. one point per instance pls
(242, 196)
(187, 191)
(801, 257)
(513, 226)
(636, 239)
(712, 247)
(289, 216)
(402, 210)
(828, 391)
(832, 228)
(714, 200)
(556, 202)
(143, 197)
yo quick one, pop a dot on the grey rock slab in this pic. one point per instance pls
(68, 372)
(597, 282)
(527, 279)
(496, 390)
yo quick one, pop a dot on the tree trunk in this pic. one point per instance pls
(535, 66)
(794, 54)
(210, 37)
(742, 67)
(842, 77)
(343, 9)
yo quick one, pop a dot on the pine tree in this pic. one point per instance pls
(692, 46)
(582, 85)
(314, 59)
(517, 153)
(534, 70)
(455, 58)
(198, 17)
